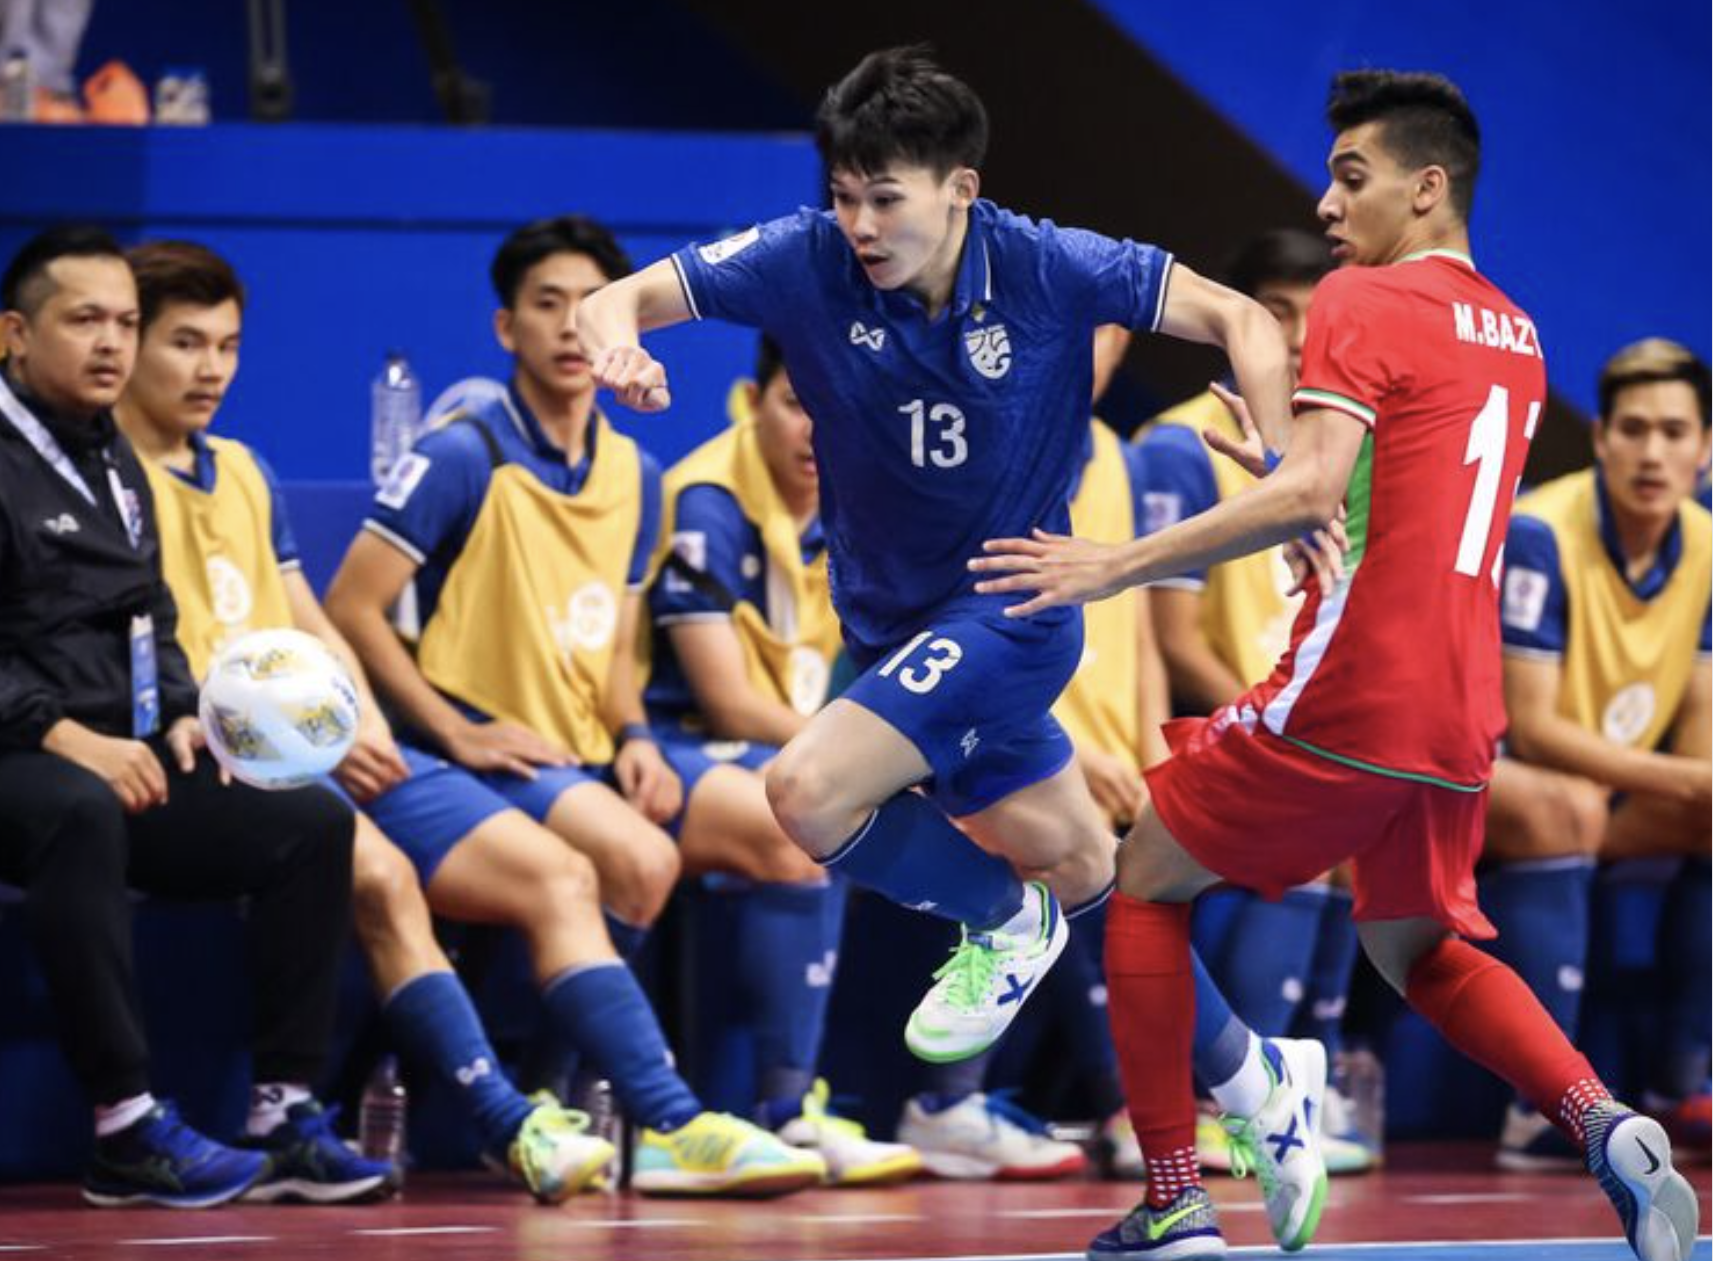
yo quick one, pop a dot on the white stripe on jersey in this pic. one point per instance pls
(1309, 655)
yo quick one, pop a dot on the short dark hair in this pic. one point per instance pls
(899, 106)
(1281, 256)
(1649, 361)
(26, 284)
(1427, 123)
(769, 361)
(181, 271)
(564, 234)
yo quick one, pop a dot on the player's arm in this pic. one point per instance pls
(1539, 733)
(1199, 678)
(732, 706)
(1300, 496)
(370, 580)
(1153, 700)
(610, 324)
(373, 765)
(1199, 310)
(647, 782)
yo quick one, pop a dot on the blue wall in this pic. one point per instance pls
(1592, 210)
(356, 239)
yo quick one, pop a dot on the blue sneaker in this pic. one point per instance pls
(161, 1160)
(313, 1165)
(1630, 1156)
(1187, 1229)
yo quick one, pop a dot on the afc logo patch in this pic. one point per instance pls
(989, 350)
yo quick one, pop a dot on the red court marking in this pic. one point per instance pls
(1443, 1192)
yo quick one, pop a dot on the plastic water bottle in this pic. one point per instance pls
(381, 1117)
(17, 87)
(1361, 1076)
(395, 414)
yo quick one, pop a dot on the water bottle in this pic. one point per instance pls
(1362, 1079)
(395, 414)
(381, 1116)
(17, 87)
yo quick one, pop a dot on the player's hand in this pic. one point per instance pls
(129, 767)
(504, 746)
(635, 377)
(185, 738)
(1251, 453)
(647, 782)
(1059, 569)
(1117, 788)
(374, 763)
(1318, 557)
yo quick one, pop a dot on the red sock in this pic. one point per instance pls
(1151, 1003)
(1486, 1011)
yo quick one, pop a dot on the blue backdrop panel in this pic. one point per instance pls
(354, 240)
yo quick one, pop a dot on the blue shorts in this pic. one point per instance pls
(535, 797)
(692, 755)
(973, 694)
(429, 813)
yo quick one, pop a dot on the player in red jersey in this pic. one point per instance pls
(1422, 384)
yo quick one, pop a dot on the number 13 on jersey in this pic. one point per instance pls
(950, 448)
(1489, 435)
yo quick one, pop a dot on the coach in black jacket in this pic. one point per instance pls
(103, 781)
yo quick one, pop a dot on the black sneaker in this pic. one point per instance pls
(313, 1165)
(161, 1160)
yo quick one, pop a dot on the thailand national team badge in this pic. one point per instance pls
(989, 350)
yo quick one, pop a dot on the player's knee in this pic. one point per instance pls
(570, 889)
(384, 887)
(636, 879)
(800, 793)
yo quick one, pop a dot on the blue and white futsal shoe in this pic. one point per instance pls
(980, 989)
(1280, 1144)
(1187, 1229)
(1630, 1156)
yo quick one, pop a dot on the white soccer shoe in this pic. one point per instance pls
(1281, 1142)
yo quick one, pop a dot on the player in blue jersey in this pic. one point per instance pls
(943, 346)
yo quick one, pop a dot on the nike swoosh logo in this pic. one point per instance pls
(1160, 1226)
(1653, 1160)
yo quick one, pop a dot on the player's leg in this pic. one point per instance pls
(512, 871)
(433, 1020)
(1543, 828)
(636, 864)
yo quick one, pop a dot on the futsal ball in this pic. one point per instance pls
(279, 710)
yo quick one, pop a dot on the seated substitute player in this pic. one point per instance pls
(228, 554)
(526, 524)
(104, 780)
(1373, 738)
(743, 649)
(1606, 687)
(1284, 964)
(943, 346)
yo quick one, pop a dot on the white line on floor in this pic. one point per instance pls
(194, 1240)
(1470, 1197)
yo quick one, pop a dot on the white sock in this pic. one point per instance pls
(1249, 1086)
(122, 1115)
(1026, 924)
(268, 1104)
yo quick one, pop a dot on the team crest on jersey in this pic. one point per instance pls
(231, 593)
(1629, 713)
(989, 350)
(591, 616)
(720, 251)
(809, 679)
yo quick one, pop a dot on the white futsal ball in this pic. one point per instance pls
(278, 708)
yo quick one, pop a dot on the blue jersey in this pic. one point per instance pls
(932, 436)
(1177, 483)
(432, 497)
(711, 527)
(207, 470)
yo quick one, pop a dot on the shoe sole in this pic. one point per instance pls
(924, 1046)
(1195, 1248)
(1666, 1210)
(305, 1191)
(880, 1173)
(136, 1199)
(956, 1167)
(756, 1186)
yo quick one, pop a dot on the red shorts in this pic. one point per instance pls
(1265, 814)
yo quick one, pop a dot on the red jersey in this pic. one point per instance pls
(1397, 671)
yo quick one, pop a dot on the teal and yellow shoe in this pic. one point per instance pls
(718, 1154)
(553, 1152)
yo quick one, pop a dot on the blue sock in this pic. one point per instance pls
(1077, 1007)
(1321, 1013)
(1686, 956)
(627, 938)
(601, 1010)
(786, 950)
(947, 1085)
(433, 1019)
(1267, 956)
(1217, 912)
(1221, 1040)
(909, 852)
(1541, 911)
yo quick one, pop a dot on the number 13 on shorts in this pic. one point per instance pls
(938, 655)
